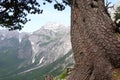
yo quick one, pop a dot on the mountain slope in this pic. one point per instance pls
(54, 68)
(53, 43)
(10, 52)
(28, 56)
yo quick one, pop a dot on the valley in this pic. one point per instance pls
(31, 56)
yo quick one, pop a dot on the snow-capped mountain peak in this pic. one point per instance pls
(53, 26)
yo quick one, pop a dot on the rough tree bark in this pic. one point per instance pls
(95, 45)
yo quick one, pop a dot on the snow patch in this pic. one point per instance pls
(20, 40)
(41, 60)
(34, 49)
(33, 60)
(53, 26)
(32, 43)
(2, 38)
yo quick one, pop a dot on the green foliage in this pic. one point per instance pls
(117, 14)
(13, 13)
(116, 74)
(59, 5)
(63, 75)
(117, 20)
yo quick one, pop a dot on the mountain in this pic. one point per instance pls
(28, 56)
(12, 52)
(49, 43)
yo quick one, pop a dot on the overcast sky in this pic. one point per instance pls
(49, 15)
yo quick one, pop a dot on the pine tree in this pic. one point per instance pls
(117, 19)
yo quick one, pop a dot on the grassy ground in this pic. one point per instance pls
(116, 72)
(62, 76)
(118, 36)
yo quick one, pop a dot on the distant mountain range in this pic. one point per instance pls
(31, 56)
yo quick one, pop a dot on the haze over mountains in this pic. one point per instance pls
(23, 53)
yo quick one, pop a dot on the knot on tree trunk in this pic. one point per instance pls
(94, 4)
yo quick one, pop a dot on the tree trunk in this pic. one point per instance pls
(95, 45)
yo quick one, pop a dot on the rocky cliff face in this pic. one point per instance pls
(49, 43)
(28, 52)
